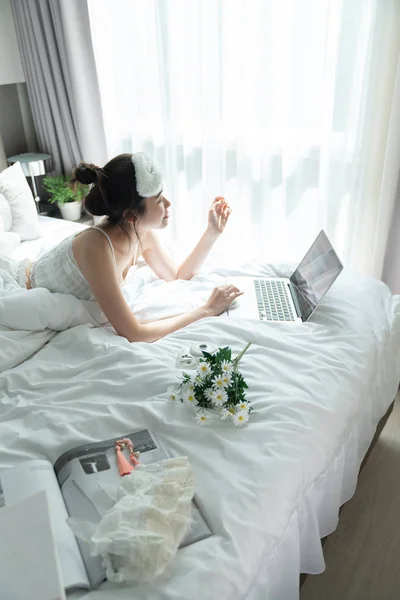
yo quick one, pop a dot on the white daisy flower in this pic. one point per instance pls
(189, 387)
(189, 398)
(240, 417)
(227, 379)
(203, 369)
(195, 379)
(225, 414)
(219, 382)
(219, 397)
(209, 393)
(226, 366)
(203, 419)
(172, 393)
(243, 407)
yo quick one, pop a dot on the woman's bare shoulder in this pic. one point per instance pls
(90, 246)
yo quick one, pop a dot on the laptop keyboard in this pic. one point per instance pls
(272, 301)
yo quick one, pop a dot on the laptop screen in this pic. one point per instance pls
(315, 274)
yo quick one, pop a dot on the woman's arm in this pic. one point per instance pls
(97, 265)
(163, 265)
(218, 216)
(192, 264)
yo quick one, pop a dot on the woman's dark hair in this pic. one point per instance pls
(113, 191)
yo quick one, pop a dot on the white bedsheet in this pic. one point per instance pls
(52, 232)
(269, 490)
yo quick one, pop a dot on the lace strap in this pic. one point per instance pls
(109, 241)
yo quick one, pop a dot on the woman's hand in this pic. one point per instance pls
(221, 298)
(218, 216)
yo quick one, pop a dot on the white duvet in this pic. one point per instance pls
(269, 490)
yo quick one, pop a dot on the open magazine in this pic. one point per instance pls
(75, 487)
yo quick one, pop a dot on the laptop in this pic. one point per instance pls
(289, 300)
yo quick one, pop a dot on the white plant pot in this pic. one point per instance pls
(71, 211)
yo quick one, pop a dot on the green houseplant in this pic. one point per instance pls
(68, 199)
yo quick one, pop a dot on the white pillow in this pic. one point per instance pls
(8, 243)
(5, 213)
(15, 188)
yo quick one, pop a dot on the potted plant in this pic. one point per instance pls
(68, 199)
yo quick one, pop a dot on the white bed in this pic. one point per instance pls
(271, 489)
(52, 231)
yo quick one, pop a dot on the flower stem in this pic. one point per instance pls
(239, 356)
(236, 362)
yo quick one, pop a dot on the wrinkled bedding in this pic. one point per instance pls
(270, 489)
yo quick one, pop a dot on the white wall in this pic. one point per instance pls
(17, 133)
(11, 122)
(10, 59)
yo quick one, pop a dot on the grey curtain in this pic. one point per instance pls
(57, 56)
(391, 268)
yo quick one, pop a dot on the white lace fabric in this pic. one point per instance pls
(15, 269)
(140, 535)
(58, 271)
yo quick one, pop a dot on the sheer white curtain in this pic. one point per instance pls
(282, 107)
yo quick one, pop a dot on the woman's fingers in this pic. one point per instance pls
(231, 289)
(220, 203)
(218, 200)
(223, 210)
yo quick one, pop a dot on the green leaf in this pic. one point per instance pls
(60, 191)
(235, 391)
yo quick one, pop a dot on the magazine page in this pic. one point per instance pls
(28, 547)
(85, 472)
(21, 482)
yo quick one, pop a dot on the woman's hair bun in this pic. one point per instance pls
(86, 173)
(95, 201)
(114, 193)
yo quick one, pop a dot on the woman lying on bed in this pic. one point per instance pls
(94, 263)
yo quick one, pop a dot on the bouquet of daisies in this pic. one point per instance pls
(215, 386)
